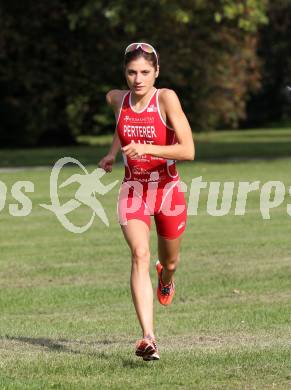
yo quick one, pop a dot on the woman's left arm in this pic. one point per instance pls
(184, 149)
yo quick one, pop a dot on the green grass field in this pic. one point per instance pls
(67, 320)
(259, 143)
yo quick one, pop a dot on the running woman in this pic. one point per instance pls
(152, 131)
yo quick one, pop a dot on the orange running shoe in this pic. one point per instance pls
(147, 349)
(165, 293)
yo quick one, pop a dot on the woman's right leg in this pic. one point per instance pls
(136, 233)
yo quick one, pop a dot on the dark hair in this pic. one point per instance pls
(135, 54)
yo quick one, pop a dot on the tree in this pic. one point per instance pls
(59, 58)
(270, 104)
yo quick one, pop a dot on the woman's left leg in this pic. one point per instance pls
(169, 256)
(170, 221)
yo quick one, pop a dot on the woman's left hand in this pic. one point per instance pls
(134, 150)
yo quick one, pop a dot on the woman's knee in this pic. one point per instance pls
(140, 255)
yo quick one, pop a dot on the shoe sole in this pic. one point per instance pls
(154, 356)
(147, 353)
(149, 350)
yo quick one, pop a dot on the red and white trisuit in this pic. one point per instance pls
(151, 185)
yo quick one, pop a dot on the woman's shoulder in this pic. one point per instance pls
(168, 97)
(115, 96)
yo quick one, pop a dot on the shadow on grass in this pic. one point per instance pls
(255, 149)
(58, 346)
(134, 364)
(89, 155)
(206, 150)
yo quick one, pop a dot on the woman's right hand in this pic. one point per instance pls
(107, 162)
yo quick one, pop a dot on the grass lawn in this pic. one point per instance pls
(67, 320)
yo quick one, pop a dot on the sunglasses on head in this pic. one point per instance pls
(146, 47)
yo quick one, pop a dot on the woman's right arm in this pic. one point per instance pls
(113, 98)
